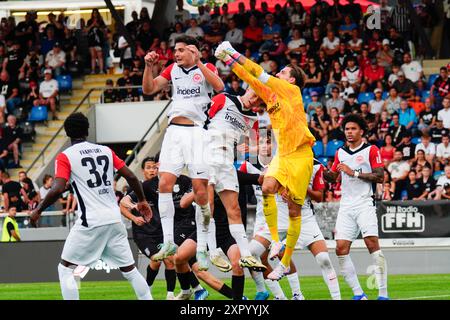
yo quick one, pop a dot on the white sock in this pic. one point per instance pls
(275, 288)
(188, 291)
(139, 284)
(202, 230)
(256, 248)
(329, 274)
(69, 287)
(294, 283)
(212, 243)
(166, 212)
(259, 281)
(238, 233)
(349, 273)
(380, 272)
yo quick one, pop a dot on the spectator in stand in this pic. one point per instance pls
(441, 87)
(441, 185)
(353, 73)
(345, 30)
(13, 61)
(394, 75)
(385, 56)
(376, 105)
(278, 49)
(428, 182)
(234, 35)
(215, 35)
(164, 94)
(387, 150)
(330, 44)
(110, 95)
(11, 227)
(32, 65)
(145, 39)
(137, 71)
(320, 122)
(407, 148)
(253, 34)
(407, 116)
(399, 170)
(236, 88)
(428, 147)
(223, 69)
(313, 77)
(347, 89)
(12, 137)
(365, 114)
(405, 87)
(373, 74)
(335, 101)
(427, 118)
(48, 93)
(241, 16)
(396, 130)
(444, 114)
(334, 129)
(311, 107)
(126, 93)
(383, 125)
(181, 15)
(23, 178)
(293, 47)
(56, 59)
(414, 188)
(392, 103)
(174, 35)
(95, 30)
(48, 41)
(335, 77)
(420, 160)
(10, 91)
(443, 151)
(416, 104)
(412, 69)
(438, 132)
(13, 193)
(195, 31)
(355, 44)
(126, 56)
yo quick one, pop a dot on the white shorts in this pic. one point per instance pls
(184, 146)
(309, 233)
(353, 220)
(261, 229)
(85, 246)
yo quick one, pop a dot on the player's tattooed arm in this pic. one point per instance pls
(376, 176)
(330, 176)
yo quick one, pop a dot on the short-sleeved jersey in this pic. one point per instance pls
(191, 92)
(356, 191)
(229, 118)
(283, 211)
(90, 170)
(316, 183)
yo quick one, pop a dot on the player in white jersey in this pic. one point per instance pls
(231, 118)
(98, 232)
(360, 167)
(184, 141)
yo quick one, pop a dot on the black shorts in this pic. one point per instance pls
(185, 229)
(225, 243)
(148, 246)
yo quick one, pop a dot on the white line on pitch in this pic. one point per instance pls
(425, 297)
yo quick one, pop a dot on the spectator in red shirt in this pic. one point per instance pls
(373, 73)
(253, 34)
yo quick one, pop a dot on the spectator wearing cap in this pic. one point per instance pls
(441, 87)
(412, 69)
(373, 73)
(376, 105)
(351, 105)
(335, 101)
(443, 151)
(385, 56)
(404, 86)
(407, 116)
(48, 93)
(311, 107)
(396, 130)
(347, 89)
(56, 59)
(407, 147)
(428, 147)
(444, 114)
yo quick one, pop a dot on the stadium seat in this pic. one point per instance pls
(306, 100)
(416, 140)
(318, 149)
(332, 147)
(425, 95)
(365, 97)
(385, 95)
(38, 114)
(431, 79)
(64, 83)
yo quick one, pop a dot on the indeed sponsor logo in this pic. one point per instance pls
(186, 91)
(235, 122)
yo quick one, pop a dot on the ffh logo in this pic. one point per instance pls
(402, 219)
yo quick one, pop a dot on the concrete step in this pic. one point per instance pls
(101, 77)
(14, 173)
(435, 63)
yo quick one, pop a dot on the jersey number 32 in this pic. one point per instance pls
(99, 176)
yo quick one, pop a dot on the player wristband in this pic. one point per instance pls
(229, 61)
(356, 174)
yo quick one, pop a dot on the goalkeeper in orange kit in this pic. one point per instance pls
(290, 170)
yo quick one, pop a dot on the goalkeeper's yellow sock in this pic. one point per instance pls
(271, 213)
(293, 233)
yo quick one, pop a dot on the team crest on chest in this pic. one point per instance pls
(197, 78)
(359, 159)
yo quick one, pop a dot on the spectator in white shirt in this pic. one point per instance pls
(234, 35)
(412, 69)
(223, 69)
(330, 44)
(376, 105)
(195, 31)
(443, 151)
(174, 35)
(48, 93)
(181, 15)
(428, 147)
(399, 170)
(440, 184)
(444, 114)
(56, 59)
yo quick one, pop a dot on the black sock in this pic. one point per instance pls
(237, 285)
(185, 281)
(226, 291)
(194, 280)
(151, 275)
(171, 280)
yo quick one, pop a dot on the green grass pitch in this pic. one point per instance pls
(411, 287)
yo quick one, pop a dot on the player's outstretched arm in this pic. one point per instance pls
(58, 187)
(152, 85)
(136, 186)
